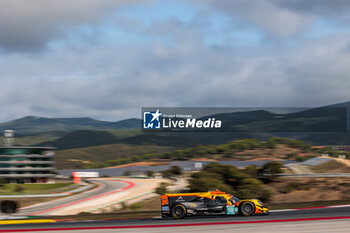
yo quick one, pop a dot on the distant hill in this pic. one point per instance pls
(88, 138)
(31, 125)
(328, 139)
(331, 118)
(67, 133)
(131, 123)
(239, 118)
(82, 138)
(246, 149)
(324, 119)
(94, 155)
(160, 140)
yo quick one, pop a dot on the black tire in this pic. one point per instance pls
(9, 207)
(247, 209)
(179, 211)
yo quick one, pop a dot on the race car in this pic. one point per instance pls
(179, 205)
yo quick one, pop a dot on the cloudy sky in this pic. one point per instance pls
(107, 58)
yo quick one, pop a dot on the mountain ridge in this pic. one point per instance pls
(34, 124)
(65, 132)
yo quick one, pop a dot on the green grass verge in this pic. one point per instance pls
(23, 189)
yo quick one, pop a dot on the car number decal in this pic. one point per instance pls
(230, 210)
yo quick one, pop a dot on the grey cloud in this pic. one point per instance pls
(324, 7)
(31, 25)
(114, 83)
(276, 20)
(282, 18)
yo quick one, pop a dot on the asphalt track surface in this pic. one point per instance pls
(330, 217)
(104, 187)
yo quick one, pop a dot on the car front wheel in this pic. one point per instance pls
(247, 209)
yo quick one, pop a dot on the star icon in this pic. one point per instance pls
(156, 115)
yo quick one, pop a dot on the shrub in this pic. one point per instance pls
(123, 205)
(254, 188)
(127, 173)
(150, 173)
(294, 186)
(292, 155)
(204, 184)
(2, 182)
(222, 148)
(172, 171)
(176, 170)
(162, 188)
(270, 171)
(135, 206)
(251, 171)
(301, 158)
(18, 188)
(229, 179)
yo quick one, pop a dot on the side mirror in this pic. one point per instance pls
(9, 207)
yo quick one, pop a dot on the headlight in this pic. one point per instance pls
(260, 203)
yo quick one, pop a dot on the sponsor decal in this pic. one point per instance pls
(165, 208)
(180, 199)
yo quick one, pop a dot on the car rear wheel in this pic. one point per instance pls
(247, 209)
(178, 211)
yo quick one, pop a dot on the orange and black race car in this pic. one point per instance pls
(179, 205)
